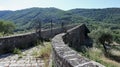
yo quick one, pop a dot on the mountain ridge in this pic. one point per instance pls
(23, 18)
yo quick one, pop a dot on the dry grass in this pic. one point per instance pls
(98, 56)
(109, 61)
(115, 52)
(43, 52)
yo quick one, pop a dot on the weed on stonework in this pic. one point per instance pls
(17, 51)
(43, 52)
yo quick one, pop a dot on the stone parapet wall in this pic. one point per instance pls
(63, 56)
(8, 43)
(46, 34)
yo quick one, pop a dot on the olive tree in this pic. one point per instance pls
(7, 27)
(105, 39)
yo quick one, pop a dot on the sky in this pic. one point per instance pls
(61, 4)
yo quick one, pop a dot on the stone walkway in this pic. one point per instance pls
(26, 60)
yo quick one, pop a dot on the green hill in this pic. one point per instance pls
(24, 19)
(109, 15)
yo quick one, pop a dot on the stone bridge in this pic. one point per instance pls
(63, 56)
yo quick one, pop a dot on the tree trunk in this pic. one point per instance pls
(105, 49)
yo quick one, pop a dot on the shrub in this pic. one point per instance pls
(17, 51)
(1, 34)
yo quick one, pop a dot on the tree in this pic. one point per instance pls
(7, 27)
(1, 26)
(104, 39)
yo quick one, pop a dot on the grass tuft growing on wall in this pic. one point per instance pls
(17, 51)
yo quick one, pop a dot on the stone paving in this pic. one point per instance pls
(26, 60)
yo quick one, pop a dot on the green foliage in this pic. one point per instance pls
(17, 51)
(24, 19)
(116, 35)
(1, 34)
(99, 28)
(6, 27)
(105, 37)
(109, 15)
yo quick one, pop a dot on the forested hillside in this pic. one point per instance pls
(24, 19)
(109, 15)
